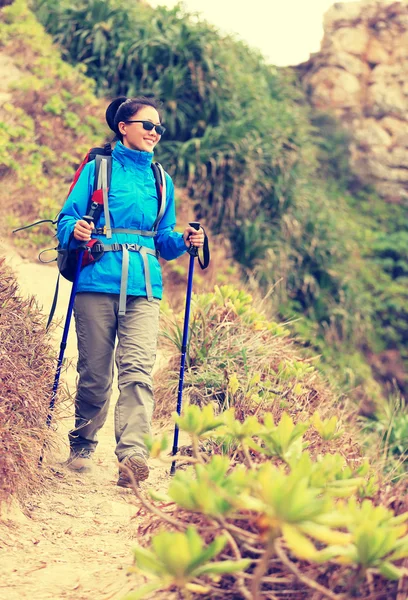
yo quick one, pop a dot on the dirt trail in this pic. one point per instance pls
(74, 540)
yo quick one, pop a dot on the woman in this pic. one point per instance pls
(103, 310)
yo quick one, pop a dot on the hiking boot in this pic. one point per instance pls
(80, 460)
(139, 467)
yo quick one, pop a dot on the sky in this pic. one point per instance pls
(285, 31)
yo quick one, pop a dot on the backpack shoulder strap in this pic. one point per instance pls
(103, 175)
(102, 178)
(98, 160)
(160, 180)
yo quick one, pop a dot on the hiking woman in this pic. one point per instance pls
(119, 295)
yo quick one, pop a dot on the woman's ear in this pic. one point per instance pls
(122, 127)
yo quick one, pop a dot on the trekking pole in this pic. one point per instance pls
(63, 345)
(193, 251)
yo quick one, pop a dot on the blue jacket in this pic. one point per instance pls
(133, 204)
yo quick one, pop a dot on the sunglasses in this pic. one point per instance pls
(148, 125)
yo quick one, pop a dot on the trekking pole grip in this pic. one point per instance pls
(89, 220)
(193, 251)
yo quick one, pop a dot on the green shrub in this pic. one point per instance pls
(389, 427)
(269, 520)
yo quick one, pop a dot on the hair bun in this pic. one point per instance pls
(112, 110)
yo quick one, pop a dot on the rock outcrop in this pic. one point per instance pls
(361, 73)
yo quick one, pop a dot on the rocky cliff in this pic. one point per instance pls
(361, 73)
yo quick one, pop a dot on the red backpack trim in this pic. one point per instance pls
(79, 171)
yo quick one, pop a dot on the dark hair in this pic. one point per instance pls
(122, 109)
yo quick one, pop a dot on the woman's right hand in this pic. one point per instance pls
(82, 231)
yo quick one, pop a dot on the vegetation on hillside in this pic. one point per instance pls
(50, 121)
(255, 516)
(262, 169)
(27, 362)
(272, 497)
(278, 498)
(239, 358)
(330, 262)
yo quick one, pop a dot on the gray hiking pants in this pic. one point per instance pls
(97, 325)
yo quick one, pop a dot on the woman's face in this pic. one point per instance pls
(135, 136)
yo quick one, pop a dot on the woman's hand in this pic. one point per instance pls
(82, 231)
(193, 237)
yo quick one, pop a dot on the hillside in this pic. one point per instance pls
(296, 218)
(273, 495)
(335, 258)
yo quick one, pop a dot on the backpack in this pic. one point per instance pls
(67, 259)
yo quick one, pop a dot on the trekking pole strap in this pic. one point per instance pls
(54, 303)
(193, 251)
(46, 262)
(34, 224)
(206, 253)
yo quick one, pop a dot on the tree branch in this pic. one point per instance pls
(303, 578)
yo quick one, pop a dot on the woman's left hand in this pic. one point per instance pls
(193, 237)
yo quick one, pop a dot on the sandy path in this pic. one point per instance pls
(74, 540)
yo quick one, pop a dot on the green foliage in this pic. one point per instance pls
(390, 251)
(328, 429)
(261, 505)
(55, 105)
(283, 440)
(333, 143)
(378, 539)
(44, 130)
(176, 559)
(237, 431)
(390, 427)
(382, 232)
(289, 506)
(155, 447)
(209, 489)
(196, 422)
(331, 473)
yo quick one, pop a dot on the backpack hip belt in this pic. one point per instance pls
(144, 251)
(102, 231)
